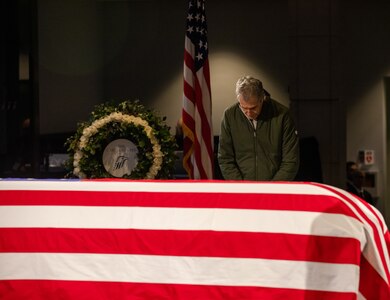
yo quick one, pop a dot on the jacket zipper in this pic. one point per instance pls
(255, 148)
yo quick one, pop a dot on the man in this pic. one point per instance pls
(355, 180)
(258, 138)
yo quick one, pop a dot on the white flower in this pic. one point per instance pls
(78, 155)
(76, 171)
(83, 139)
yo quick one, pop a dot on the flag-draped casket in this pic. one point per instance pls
(189, 240)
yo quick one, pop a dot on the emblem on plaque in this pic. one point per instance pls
(120, 157)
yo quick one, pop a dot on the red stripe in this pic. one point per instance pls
(81, 290)
(194, 93)
(206, 121)
(189, 121)
(376, 235)
(188, 92)
(189, 60)
(206, 134)
(187, 117)
(387, 241)
(182, 243)
(371, 285)
(292, 202)
(198, 158)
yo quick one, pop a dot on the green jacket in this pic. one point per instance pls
(269, 152)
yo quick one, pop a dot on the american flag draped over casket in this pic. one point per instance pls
(189, 240)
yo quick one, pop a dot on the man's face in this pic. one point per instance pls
(250, 106)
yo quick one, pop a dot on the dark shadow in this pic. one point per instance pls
(310, 168)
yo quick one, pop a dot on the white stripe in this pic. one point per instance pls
(206, 103)
(188, 106)
(198, 137)
(371, 251)
(189, 46)
(155, 186)
(188, 76)
(238, 187)
(360, 296)
(181, 270)
(206, 96)
(170, 218)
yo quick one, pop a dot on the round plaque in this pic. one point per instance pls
(120, 157)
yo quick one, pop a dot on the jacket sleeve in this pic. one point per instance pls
(226, 156)
(290, 152)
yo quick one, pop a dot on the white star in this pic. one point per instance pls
(200, 44)
(190, 17)
(197, 17)
(199, 3)
(199, 56)
(190, 29)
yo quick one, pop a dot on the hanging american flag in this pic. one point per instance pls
(196, 114)
(133, 240)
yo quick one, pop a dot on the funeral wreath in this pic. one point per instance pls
(129, 121)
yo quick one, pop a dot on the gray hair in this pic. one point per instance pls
(249, 86)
